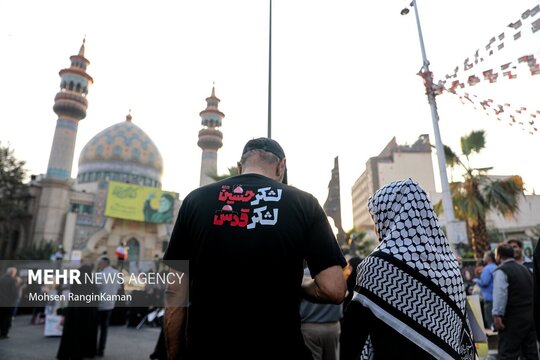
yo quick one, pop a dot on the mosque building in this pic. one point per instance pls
(116, 197)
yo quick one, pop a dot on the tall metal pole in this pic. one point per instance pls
(446, 195)
(270, 73)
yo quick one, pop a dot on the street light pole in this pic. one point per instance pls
(448, 208)
(270, 73)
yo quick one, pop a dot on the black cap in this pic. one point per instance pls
(268, 145)
(265, 144)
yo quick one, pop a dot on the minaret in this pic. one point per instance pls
(70, 105)
(210, 138)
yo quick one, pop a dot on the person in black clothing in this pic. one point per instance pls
(513, 307)
(246, 238)
(160, 350)
(351, 279)
(79, 335)
(8, 300)
(536, 297)
(409, 300)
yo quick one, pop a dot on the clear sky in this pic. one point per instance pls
(344, 79)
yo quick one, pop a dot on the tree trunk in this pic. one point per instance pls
(480, 243)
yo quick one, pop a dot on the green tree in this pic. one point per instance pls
(233, 171)
(12, 197)
(357, 243)
(479, 193)
(41, 251)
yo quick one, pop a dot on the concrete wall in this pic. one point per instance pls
(527, 218)
(417, 166)
(53, 207)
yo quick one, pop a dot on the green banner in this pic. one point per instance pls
(139, 203)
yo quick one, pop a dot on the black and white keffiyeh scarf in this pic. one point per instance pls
(412, 280)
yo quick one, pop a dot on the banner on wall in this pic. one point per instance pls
(139, 203)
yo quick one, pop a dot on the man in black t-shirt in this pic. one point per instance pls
(246, 238)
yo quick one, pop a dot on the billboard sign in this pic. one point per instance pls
(139, 203)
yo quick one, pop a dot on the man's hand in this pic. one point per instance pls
(328, 286)
(498, 322)
(174, 327)
(176, 318)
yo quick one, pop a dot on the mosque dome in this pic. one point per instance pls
(121, 152)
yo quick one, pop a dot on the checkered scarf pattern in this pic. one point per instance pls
(412, 280)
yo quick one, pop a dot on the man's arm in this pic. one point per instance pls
(485, 278)
(175, 320)
(500, 298)
(328, 286)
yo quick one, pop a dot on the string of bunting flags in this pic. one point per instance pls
(497, 43)
(462, 77)
(509, 70)
(518, 116)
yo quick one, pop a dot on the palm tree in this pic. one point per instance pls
(479, 193)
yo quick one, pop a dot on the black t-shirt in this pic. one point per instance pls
(246, 238)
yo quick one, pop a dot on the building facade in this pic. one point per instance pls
(75, 213)
(395, 162)
(522, 224)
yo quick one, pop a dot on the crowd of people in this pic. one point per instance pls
(407, 299)
(277, 285)
(83, 324)
(86, 325)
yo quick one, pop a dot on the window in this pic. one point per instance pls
(86, 209)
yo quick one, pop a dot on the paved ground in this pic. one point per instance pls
(26, 342)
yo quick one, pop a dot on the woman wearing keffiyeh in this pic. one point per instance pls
(409, 300)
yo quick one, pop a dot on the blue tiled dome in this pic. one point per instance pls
(122, 152)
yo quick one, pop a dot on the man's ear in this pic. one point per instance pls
(239, 166)
(280, 170)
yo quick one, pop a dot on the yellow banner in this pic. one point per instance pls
(139, 203)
